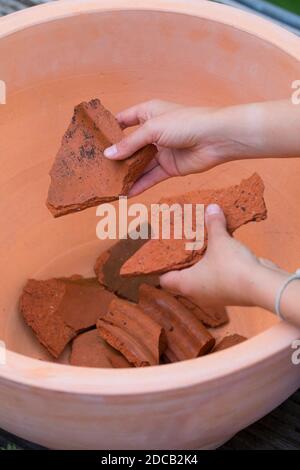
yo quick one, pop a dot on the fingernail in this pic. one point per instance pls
(110, 151)
(213, 209)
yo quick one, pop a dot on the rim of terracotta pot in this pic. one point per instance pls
(26, 371)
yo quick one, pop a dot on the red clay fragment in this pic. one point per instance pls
(81, 176)
(129, 330)
(211, 317)
(89, 350)
(241, 203)
(107, 268)
(228, 341)
(186, 336)
(58, 309)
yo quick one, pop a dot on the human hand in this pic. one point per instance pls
(195, 139)
(186, 137)
(228, 274)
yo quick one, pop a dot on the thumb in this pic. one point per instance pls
(215, 221)
(130, 144)
(171, 281)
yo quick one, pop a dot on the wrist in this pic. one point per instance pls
(264, 288)
(241, 129)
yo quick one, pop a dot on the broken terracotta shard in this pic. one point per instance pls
(85, 301)
(241, 204)
(129, 330)
(90, 350)
(57, 309)
(187, 338)
(211, 317)
(108, 264)
(81, 176)
(228, 341)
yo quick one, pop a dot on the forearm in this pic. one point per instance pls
(265, 287)
(261, 130)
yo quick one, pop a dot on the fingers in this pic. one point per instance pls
(130, 144)
(215, 222)
(171, 281)
(188, 281)
(142, 112)
(152, 164)
(133, 116)
(145, 115)
(154, 176)
(197, 278)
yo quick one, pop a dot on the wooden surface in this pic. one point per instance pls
(279, 430)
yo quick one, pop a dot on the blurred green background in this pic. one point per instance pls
(292, 5)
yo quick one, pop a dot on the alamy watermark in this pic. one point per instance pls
(296, 353)
(295, 98)
(2, 353)
(159, 221)
(2, 92)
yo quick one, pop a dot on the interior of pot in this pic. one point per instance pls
(123, 58)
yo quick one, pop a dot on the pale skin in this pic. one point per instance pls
(193, 140)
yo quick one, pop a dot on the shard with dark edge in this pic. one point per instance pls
(229, 341)
(81, 176)
(241, 204)
(108, 264)
(58, 309)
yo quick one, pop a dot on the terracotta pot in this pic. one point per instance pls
(55, 56)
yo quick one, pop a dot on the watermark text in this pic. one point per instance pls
(2, 92)
(2, 353)
(296, 353)
(159, 221)
(296, 94)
